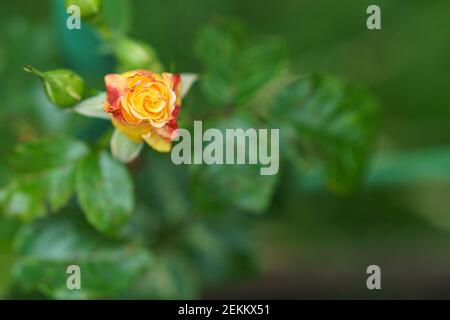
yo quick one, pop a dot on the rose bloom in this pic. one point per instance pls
(144, 106)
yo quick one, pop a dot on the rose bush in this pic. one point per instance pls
(155, 229)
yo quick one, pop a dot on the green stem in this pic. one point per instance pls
(34, 71)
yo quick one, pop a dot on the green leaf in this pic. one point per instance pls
(166, 190)
(324, 120)
(234, 69)
(92, 107)
(235, 185)
(117, 15)
(218, 49)
(123, 149)
(46, 154)
(217, 90)
(8, 229)
(408, 168)
(105, 192)
(25, 198)
(61, 186)
(241, 186)
(45, 174)
(170, 277)
(257, 66)
(411, 167)
(220, 253)
(49, 246)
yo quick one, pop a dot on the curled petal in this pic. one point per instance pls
(175, 111)
(176, 80)
(140, 72)
(115, 84)
(157, 142)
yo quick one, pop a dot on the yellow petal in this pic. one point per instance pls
(157, 142)
(133, 132)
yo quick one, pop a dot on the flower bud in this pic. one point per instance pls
(133, 54)
(88, 8)
(63, 87)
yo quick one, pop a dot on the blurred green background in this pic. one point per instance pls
(311, 243)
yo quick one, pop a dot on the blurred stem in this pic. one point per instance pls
(34, 71)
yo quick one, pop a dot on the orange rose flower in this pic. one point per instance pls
(144, 106)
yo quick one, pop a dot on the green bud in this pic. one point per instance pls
(88, 8)
(63, 87)
(133, 54)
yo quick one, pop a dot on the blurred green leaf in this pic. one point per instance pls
(105, 192)
(166, 190)
(46, 154)
(236, 70)
(61, 186)
(49, 246)
(232, 185)
(259, 64)
(222, 254)
(407, 168)
(326, 121)
(423, 165)
(117, 15)
(8, 229)
(45, 174)
(25, 198)
(170, 277)
(241, 186)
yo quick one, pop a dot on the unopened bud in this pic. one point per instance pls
(133, 54)
(88, 8)
(63, 87)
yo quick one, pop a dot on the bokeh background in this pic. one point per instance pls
(311, 242)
